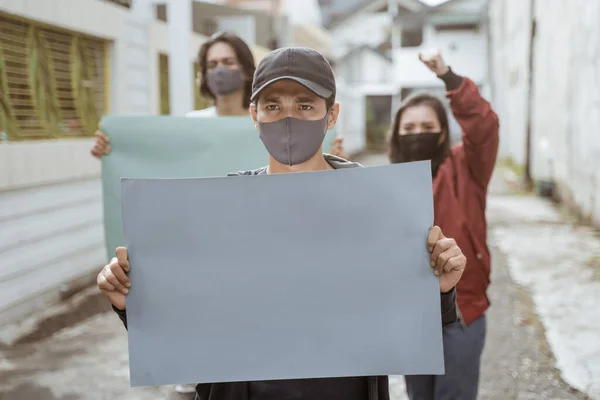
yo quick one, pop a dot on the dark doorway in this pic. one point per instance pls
(378, 121)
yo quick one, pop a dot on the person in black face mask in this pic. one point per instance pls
(421, 131)
(461, 175)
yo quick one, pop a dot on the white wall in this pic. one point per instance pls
(511, 32)
(364, 29)
(462, 6)
(351, 122)
(466, 52)
(375, 69)
(566, 96)
(567, 99)
(305, 12)
(44, 162)
(300, 12)
(364, 66)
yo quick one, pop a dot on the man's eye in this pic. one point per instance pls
(305, 107)
(272, 107)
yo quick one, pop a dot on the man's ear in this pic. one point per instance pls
(333, 116)
(254, 115)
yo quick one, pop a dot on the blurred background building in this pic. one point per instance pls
(64, 64)
(546, 88)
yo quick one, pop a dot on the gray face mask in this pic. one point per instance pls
(223, 81)
(293, 141)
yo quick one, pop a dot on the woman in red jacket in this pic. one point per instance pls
(461, 175)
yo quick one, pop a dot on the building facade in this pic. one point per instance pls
(63, 65)
(546, 69)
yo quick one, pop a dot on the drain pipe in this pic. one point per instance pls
(528, 177)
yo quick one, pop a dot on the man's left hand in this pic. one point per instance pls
(447, 259)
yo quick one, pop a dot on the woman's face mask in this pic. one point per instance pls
(420, 137)
(418, 146)
(223, 80)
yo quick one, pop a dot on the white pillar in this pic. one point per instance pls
(181, 79)
(130, 77)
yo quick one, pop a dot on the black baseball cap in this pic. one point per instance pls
(306, 66)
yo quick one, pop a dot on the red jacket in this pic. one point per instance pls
(460, 190)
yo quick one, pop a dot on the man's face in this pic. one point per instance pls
(287, 98)
(220, 54)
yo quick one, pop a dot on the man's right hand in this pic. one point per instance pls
(101, 145)
(113, 281)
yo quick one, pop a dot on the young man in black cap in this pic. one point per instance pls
(293, 106)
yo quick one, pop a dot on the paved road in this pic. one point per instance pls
(89, 360)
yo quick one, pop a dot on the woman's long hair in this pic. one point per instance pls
(414, 100)
(243, 54)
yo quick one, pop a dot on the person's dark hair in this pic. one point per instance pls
(414, 100)
(244, 56)
(329, 102)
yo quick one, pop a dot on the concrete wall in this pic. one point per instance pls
(510, 29)
(566, 92)
(364, 66)
(375, 68)
(351, 123)
(361, 30)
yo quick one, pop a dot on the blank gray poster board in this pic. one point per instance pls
(306, 275)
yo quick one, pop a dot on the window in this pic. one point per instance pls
(411, 37)
(163, 77)
(52, 82)
(209, 27)
(458, 28)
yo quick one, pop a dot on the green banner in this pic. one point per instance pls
(174, 147)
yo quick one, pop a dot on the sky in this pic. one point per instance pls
(433, 2)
